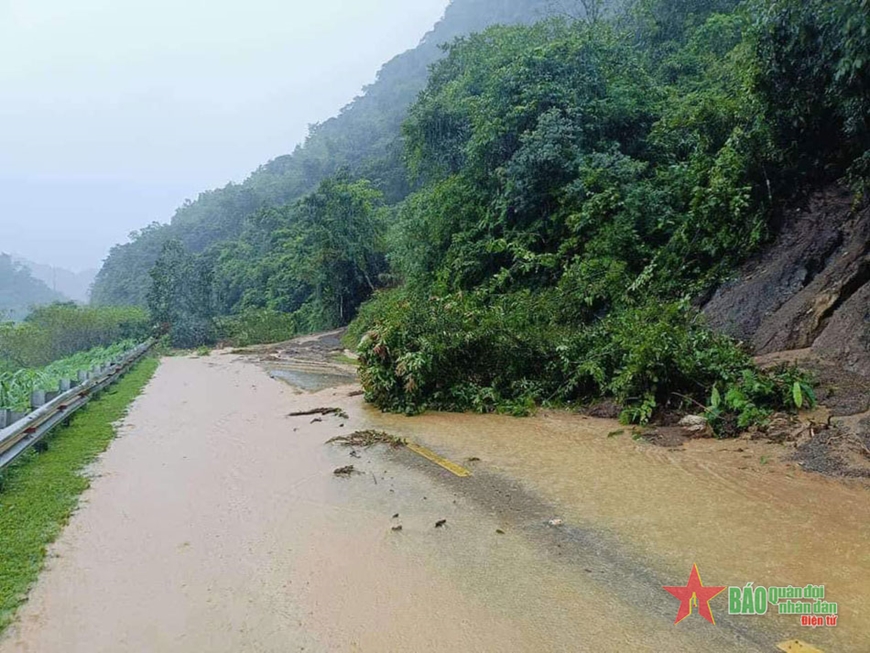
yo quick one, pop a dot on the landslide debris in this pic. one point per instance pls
(810, 289)
(338, 412)
(806, 300)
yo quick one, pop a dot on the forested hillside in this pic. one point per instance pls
(19, 291)
(584, 184)
(561, 198)
(72, 285)
(365, 139)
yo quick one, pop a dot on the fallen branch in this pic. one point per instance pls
(368, 438)
(338, 412)
(694, 401)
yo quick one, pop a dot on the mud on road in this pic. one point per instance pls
(216, 523)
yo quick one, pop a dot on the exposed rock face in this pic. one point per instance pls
(810, 289)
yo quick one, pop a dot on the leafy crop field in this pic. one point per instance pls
(16, 387)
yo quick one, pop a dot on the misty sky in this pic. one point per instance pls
(112, 112)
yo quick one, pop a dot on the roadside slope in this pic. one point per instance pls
(806, 299)
(810, 289)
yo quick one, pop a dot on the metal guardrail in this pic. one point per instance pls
(22, 434)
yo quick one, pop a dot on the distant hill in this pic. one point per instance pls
(73, 285)
(364, 138)
(20, 291)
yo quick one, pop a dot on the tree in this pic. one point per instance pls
(180, 296)
(813, 75)
(336, 247)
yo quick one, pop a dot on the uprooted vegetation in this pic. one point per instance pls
(647, 359)
(367, 438)
(324, 411)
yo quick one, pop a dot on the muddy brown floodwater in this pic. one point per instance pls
(215, 523)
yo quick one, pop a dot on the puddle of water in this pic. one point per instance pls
(310, 381)
(728, 506)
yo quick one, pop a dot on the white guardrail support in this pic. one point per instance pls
(19, 432)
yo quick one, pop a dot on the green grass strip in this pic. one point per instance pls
(40, 491)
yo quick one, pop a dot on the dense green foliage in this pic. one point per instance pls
(506, 353)
(581, 183)
(813, 77)
(254, 327)
(60, 330)
(315, 261)
(16, 387)
(319, 257)
(180, 299)
(41, 490)
(20, 291)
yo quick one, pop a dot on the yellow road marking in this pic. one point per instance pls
(428, 454)
(797, 646)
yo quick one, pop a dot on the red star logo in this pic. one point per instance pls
(695, 592)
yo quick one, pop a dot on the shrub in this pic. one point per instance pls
(454, 353)
(16, 387)
(505, 354)
(190, 331)
(752, 398)
(60, 330)
(254, 327)
(813, 75)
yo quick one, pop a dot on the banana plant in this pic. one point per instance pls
(16, 387)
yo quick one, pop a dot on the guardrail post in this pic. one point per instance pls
(17, 440)
(37, 399)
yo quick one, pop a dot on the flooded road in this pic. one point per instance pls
(216, 523)
(734, 508)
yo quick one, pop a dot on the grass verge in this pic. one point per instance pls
(41, 490)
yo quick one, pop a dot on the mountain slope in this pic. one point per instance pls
(73, 285)
(20, 291)
(364, 138)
